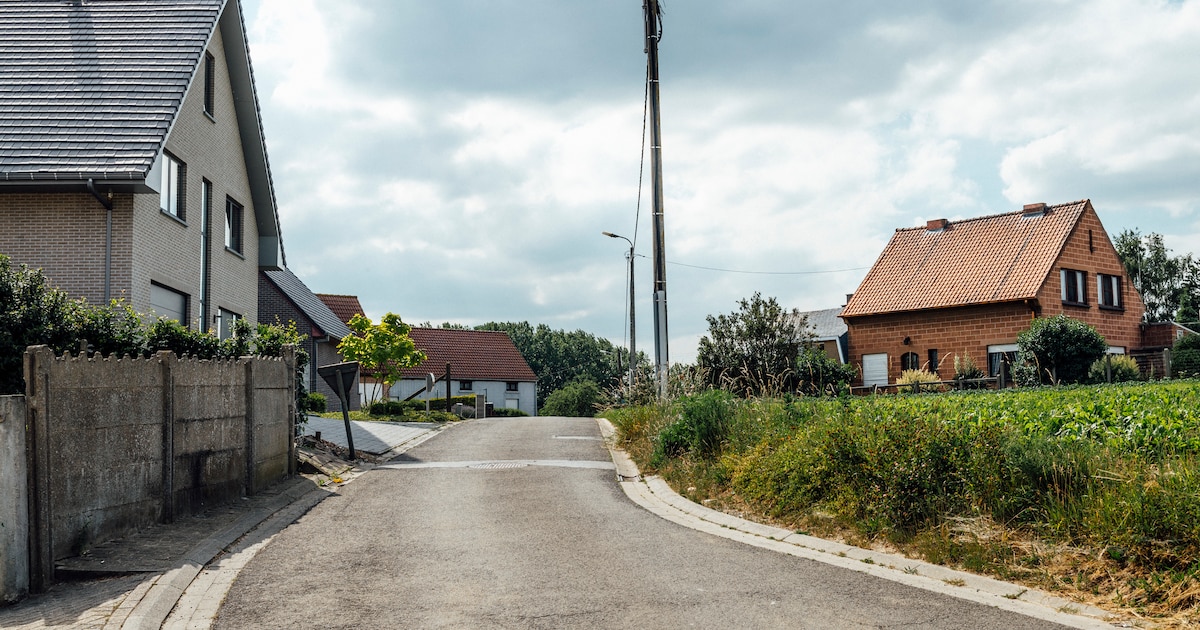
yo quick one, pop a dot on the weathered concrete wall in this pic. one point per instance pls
(14, 501)
(119, 444)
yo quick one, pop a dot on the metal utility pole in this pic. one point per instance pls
(632, 316)
(653, 34)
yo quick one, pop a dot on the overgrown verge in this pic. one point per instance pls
(1090, 490)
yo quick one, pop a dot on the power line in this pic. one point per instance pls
(767, 273)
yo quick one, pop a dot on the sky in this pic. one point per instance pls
(458, 160)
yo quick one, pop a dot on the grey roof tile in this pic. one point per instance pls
(91, 86)
(308, 302)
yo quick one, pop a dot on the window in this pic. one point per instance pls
(933, 360)
(226, 320)
(167, 303)
(1074, 287)
(171, 190)
(466, 386)
(1000, 358)
(510, 386)
(210, 81)
(910, 361)
(1108, 289)
(205, 263)
(233, 225)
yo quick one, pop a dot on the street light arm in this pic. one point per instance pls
(611, 235)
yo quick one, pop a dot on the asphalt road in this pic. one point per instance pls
(501, 523)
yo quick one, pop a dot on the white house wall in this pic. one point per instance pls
(525, 398)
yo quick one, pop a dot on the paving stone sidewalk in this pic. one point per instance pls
(376, 438)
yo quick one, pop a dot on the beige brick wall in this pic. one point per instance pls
(63, 234)
(168, 250)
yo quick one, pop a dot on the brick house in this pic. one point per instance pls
(283, 298)
(481, 362)
(132, 162)
(969, 287)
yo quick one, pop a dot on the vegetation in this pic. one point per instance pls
(1093, 488)
(383, 350)
(1056, 350)
(317, 403)
(1114, 368)
(559, 357)
(820, 375)
(753, 350)
(966, 371)
(917, 377)
(1185, 357)
(1169, 285)
(578, 399)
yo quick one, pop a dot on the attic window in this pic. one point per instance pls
(1074, 287)
(210, 81)
(171, 189)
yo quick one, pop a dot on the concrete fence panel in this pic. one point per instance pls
(14, 501)
(115, 445)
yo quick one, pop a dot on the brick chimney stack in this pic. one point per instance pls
(936, 224)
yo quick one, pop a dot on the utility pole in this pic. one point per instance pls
(653, 34)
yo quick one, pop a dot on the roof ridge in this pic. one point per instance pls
(985, 217)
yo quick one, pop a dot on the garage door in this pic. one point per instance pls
(168, 303)
(875, 369)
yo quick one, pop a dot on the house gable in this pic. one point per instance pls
(931, 298)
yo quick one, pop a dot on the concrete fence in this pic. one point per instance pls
(113, 445)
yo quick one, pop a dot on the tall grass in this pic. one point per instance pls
(1113, 469)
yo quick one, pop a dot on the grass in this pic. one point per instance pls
(410, 416)
(1090, 491)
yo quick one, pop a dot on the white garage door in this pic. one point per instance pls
(875, 369)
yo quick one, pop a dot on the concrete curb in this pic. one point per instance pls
(657, 497)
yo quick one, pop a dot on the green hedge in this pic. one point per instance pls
(398, 407)
(1185, 363)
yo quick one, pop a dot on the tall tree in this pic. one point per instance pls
(753, 350)
(1169, 285)
(559, 357)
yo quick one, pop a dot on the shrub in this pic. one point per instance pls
(1123, 367)
(1185, 363)
(702, 427)
(909, 377)
(577, 399)
(819, 374)
(1059, 346)
(315, 402)
(31, 313)
(1187, 342)
(505, 412)
(965, 369)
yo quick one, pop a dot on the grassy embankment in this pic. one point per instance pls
(1087, 491)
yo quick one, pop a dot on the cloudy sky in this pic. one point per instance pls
(457, 160)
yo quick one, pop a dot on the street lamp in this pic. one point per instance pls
(632, 327)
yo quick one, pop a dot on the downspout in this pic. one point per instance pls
(108, 206)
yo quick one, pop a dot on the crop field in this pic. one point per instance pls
(1093, 491)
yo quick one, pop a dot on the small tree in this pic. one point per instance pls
(383, 350)
(753, 350)
(1057, 350)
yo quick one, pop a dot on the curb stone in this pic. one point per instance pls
(653, 494)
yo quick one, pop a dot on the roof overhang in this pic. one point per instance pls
(73, 182)
(1031, 303)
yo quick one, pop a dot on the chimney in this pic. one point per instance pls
(1034, 209)
(936, 224)
(848, 296)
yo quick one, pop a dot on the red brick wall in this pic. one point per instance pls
(953, 331)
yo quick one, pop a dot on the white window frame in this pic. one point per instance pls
(225, 321)
(170, 194)
(1080, 296)
(1114, 283)
(235, 221)
(1003, 348)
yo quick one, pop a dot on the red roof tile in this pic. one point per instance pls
(999, 258)
(344, 306)
(472, 354)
